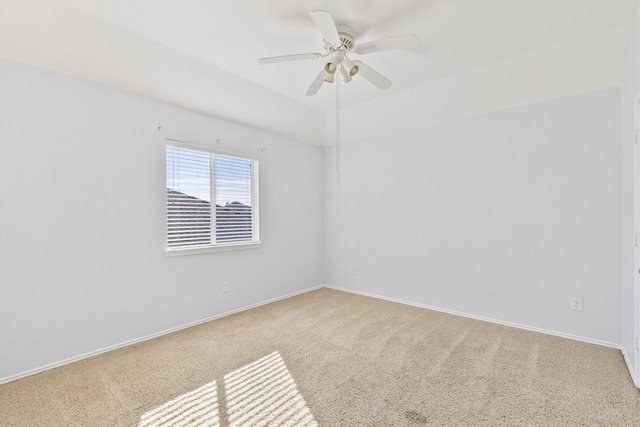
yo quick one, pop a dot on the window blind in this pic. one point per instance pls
(234, 199)
(195, 179)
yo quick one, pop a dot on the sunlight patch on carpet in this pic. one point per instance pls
(264, 393)
(198, 407)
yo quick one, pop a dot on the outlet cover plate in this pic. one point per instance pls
(576, 304)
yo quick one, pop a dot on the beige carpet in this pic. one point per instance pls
(330, 358)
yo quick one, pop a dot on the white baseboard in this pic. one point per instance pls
(23, 374)
(147, 337)
(485, 319)
(634, 375)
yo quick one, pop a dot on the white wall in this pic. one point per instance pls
(504, 216)
(629, 91)
(82, 190)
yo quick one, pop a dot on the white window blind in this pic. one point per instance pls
(211, 199)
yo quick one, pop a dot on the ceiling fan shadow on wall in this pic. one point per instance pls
(339, 42)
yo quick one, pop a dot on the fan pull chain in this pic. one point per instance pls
(338, 128)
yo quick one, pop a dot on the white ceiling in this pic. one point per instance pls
(475, 56)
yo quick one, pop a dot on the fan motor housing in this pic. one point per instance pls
(347, 36)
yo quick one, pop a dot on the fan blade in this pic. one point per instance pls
(324, 22)
(285, 58)
(377, 79)
(316, 85)
(399, 42)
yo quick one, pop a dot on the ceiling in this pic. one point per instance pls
(474, 56)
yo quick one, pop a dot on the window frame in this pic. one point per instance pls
(215, 247)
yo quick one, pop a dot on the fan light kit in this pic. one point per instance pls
(339, 40)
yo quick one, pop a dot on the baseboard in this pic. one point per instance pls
(484, 319)
(634, 375)
(10, 378)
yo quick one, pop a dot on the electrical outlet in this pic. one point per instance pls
(353, 270)
(225, 286)
(576, 304)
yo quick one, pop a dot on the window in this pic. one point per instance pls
(195, 223)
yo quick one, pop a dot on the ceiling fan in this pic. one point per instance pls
(339, 41)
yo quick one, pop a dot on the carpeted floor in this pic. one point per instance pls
(329, 358)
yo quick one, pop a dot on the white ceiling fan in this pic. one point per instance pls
(339, 41)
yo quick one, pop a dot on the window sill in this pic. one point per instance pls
(206, 249)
